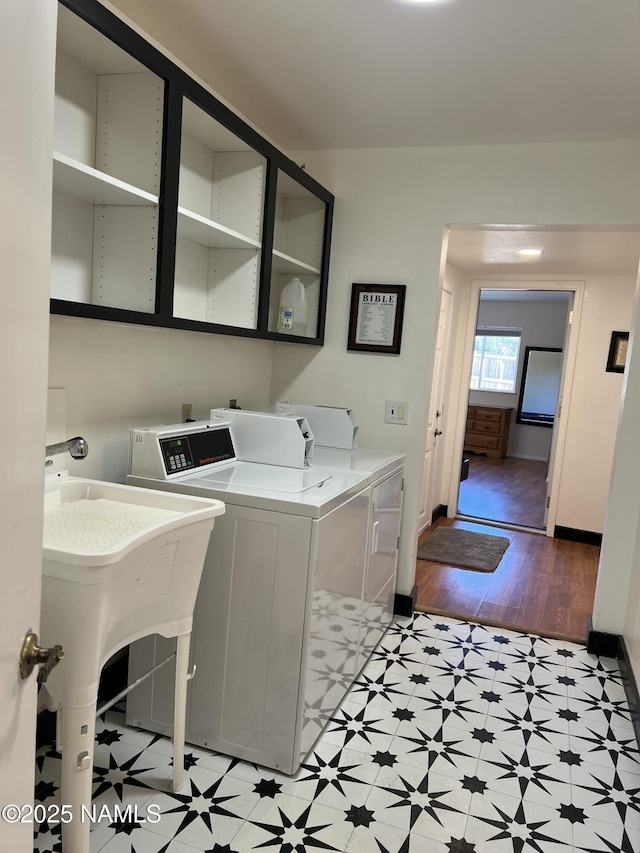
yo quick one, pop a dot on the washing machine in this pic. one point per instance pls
(279, 630)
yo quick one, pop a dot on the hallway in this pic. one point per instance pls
(542, 585)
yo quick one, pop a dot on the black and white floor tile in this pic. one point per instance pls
(456, 738)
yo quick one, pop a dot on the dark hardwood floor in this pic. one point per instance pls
(511, 491)
(542, 585)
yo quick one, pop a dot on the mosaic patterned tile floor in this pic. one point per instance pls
(457, 738)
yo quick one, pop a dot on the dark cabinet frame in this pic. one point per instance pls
(178, 85)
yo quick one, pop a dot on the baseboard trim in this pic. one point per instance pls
(614, 646)
(630, 687)
(525, 456)
(601, 643)
(587, 537)
(404, 605)
(439, 512)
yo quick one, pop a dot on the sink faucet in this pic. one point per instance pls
(77, 447)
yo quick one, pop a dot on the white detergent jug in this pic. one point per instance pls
(292, 317)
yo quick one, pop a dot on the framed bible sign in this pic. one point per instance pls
(375, 322)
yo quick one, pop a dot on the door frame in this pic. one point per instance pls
(566, 385)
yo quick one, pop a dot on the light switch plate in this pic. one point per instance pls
(397, 412)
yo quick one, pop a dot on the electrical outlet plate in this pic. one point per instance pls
(186, 412)
(396, 412)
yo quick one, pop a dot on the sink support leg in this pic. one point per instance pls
(180, 709)
(78, 739)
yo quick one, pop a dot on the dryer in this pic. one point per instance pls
(386, 486)
(336, 439)
(278, 619)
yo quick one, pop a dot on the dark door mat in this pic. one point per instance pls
(464, 549)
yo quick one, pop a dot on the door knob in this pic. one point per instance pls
(33, 655)
(437, 432)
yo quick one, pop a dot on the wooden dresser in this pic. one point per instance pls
(487, 430)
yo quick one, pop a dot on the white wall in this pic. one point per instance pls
(617, 604)
(543, 324)
(392, 207)
(595, 405)
(118, 376)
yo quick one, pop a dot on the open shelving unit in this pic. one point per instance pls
(298, 243)
(168, 209)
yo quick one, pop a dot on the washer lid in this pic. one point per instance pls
(272, 477)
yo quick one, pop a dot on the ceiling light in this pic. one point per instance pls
(530, 253)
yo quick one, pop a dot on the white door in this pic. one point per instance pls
(27, 59)
(435, 436)
(558, 439)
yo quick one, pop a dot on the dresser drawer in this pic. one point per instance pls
(476, 441)
(489, 415)
(492, 427)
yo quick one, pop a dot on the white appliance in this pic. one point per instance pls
(280, 627)
(265, 437)
(335, 433)
(332, 426)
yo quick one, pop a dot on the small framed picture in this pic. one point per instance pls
(375, 321)
(618, 352)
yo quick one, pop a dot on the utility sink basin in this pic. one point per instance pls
(93, 523)
(119, 563)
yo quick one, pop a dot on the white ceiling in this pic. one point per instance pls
(569, 251)
(378, 73)
(386, 73)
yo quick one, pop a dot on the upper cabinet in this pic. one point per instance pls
(220, 222)
(107, 168)
(300, 228)
(168, 209)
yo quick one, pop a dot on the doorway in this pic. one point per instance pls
(600, 267)
(518, 352)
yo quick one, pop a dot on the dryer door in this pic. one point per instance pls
(384, 529)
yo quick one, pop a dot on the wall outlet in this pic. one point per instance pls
(397, 412)
(186, 412)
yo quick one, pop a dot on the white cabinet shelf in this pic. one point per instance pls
(206, 232)
(285, 265)
(87, 184)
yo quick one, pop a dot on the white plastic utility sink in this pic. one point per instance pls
(119, 563)
(92, 523)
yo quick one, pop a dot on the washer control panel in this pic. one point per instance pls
(190, 451)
